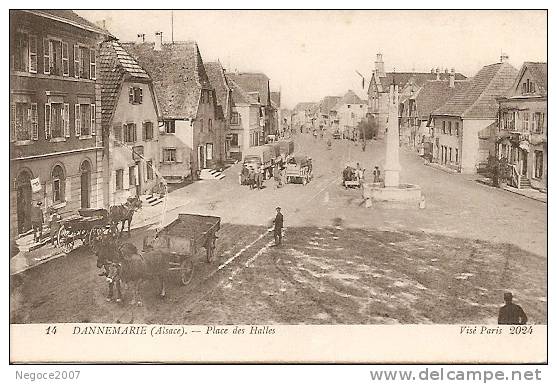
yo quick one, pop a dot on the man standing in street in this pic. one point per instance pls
(278, 227)
(510, 313)
(37, 220)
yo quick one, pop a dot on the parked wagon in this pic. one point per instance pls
(184, 237)
(299, 170)
(89, 227)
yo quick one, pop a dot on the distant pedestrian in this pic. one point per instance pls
(54, 224)
(251, 178)
(278, 221)
(376, 175)
(510, 313)
(37, 221)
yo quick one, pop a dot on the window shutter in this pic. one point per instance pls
(140, 95)
(76, 61)
(112, 184)
(92, 65)
(65, 59)
(12, 123)
(144, 125)
(66, 120)
(93, 128)
(47, 121)
(179, 158)
(136, 175)
(51, 54)
(34, 122)
(126, 178)
(131, 95)
(77, 121)
(68, 190)
(32, 53)
(46, 54)
(161, 154)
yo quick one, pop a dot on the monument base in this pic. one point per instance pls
(407, 195)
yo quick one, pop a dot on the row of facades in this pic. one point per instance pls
(94, 121)
(455, 121)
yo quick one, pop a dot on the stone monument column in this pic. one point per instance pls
(392, 165)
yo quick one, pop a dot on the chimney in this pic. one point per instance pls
(437, 73)
(451, 79)
(140, 38)
(158, 41)
(503, 58)
(380, 66)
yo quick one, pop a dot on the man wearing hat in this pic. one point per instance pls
(510, 313)
(278, 227)
(37, 220)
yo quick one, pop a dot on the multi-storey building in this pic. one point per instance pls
(521, 136)
(218, 80)
(130, 125)
(246, 123)
(350, 111)
(56, 147)
(459, 122)
(187, 103)
(378, 90)
(257, 86)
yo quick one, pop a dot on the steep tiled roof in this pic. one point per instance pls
(328, 103)
(218, 81)
(416, 78)
(479, 99)
(70, 17)
(305, 106)
(275, 98)
(178, 75)
(539, 70)
(115, 64)
(253, 82)
(435, 93)
(239, 96)
(350, 98)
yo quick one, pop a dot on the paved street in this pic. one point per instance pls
(340, 262)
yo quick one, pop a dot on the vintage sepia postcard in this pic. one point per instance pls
(249, 186)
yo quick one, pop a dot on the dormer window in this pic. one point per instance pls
(528, 87)
(136, 95)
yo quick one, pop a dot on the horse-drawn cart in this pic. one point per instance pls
(184, 237)
(298, 169)
(89, 226)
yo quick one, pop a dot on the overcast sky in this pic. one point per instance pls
(311, 54)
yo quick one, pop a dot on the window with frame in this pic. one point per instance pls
(539, 122)
(201, 124)
(170, 126)
(54, 57)
(456, 155)
(135, 95)
(210, 125)
(57, 120)
(84, 62)
(538, 163)
(21, 51)
(234, 140)
(86, 119)
(58, 184)
(131, 175)
(119, 182)
(147, 130)
(117, 132)
(444, 130)
(130, 133)
(209, 151)
(150, 170)
(450, 129)
(24, 121)
(234, 118)
(457, 127)
(525, 121)
(169, 155)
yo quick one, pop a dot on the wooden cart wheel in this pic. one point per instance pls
(65, 239)
(211, 251)
(186, 271)
(95, 236)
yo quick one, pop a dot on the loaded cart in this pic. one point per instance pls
(89, 226)
(298, 170)
(184, 237)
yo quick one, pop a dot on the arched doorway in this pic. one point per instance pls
(24, 198)
(85, 169)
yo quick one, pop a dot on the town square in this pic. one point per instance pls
(152, 185)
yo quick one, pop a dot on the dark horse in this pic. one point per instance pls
(124, 212)
(135, 268)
